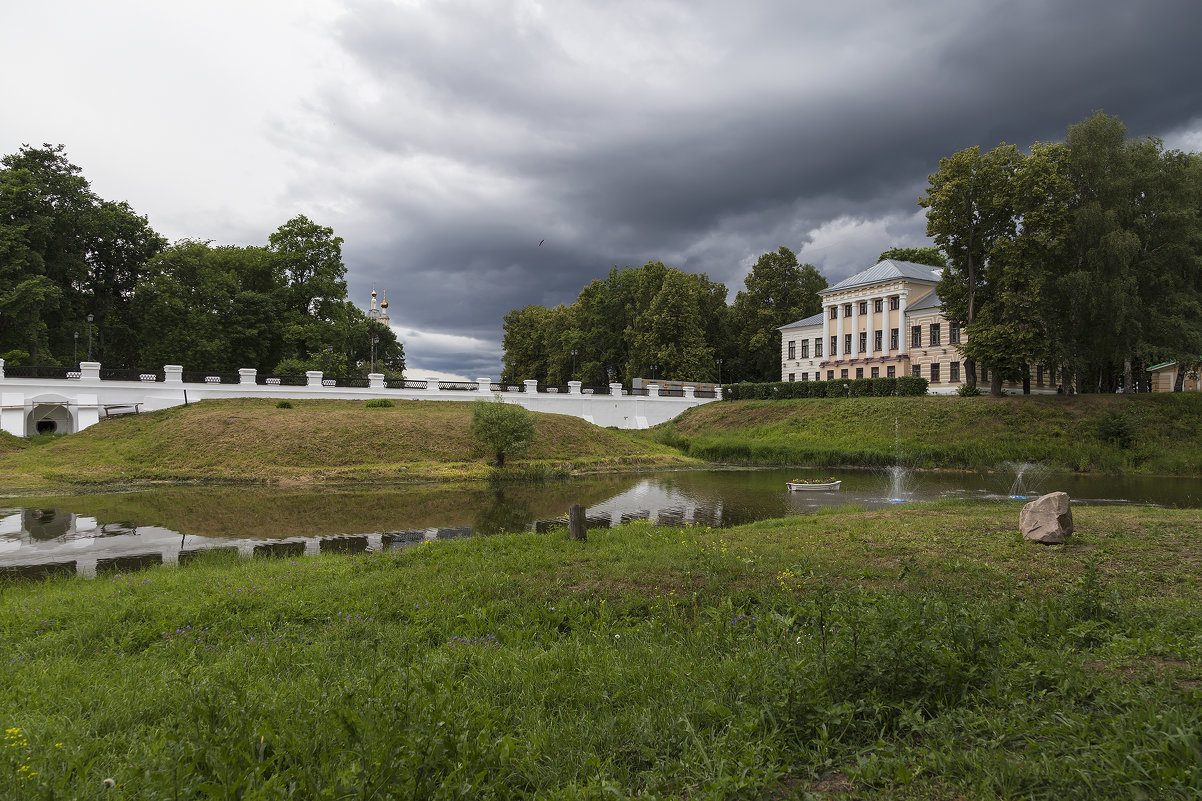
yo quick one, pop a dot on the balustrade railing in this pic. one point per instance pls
(405, 383)
(505, 388)
(200, 377)
(705, 393)
(461, 386)
(34, 371)
(348, 381)
(123, 374)
(282, 380)
(594, 390)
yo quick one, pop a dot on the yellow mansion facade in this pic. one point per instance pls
(883, 322)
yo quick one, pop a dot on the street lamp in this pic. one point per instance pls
(89, 337)
(574, 352)
(75, 356)
(374, 340)
(654, 367)
(719, 372)
(329, 359)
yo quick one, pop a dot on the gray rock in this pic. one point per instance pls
(1047, 519)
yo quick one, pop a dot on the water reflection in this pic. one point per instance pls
(98, 533)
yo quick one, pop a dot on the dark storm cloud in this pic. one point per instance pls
(701, 134)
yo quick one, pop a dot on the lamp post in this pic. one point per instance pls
(374, 340)
(719, 372)
(654, 367)
(329, 359)
(75, 354)
(89, 337)
(574, 352)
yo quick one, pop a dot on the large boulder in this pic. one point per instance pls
(1047, 519)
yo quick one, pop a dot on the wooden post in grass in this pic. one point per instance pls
(576, 522)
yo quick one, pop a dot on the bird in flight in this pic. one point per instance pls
(540, 242)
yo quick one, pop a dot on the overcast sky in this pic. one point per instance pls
(444, 140)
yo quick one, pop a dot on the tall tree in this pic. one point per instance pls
(970, 209)
(778, 291)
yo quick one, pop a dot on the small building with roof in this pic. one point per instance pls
(883, 322)
(1163, 378)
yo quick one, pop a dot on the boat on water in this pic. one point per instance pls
(812, 486)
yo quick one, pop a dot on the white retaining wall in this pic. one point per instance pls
(73, 404)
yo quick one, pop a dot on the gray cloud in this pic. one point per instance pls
(444, 140)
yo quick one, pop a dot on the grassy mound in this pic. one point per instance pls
(928, 653)
(253, 440)
(1159, 434)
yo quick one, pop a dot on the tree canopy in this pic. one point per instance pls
(66, 253)
(1085, 256)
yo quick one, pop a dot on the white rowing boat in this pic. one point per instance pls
(802, 485)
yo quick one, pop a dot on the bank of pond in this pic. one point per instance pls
(116, 532)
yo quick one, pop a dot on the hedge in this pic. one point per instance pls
(837, 388)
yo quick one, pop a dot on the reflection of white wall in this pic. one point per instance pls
(11, 524)
(657, 500)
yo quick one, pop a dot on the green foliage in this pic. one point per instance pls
(1113, 426)
(902, 649)
(379, 403)
(932, 257)
(968, 391)
(283, 404)
(779, 291)
(860, 387)
(504, 429)
(911, 385)
(884, 387)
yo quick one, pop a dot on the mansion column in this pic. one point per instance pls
(903, 336)
(871, 315)
(826, 332)
(839, 333)
(855, 328)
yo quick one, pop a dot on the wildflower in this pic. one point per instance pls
(109, 783)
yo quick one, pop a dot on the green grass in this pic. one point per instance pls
(916, 654)
(251, 440)
(1156, 434)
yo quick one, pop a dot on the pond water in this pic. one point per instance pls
(95, 533)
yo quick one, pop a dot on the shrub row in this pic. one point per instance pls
(837, 388)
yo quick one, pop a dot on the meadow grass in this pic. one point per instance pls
(919, 653)
(1159, 434)
(251, 440)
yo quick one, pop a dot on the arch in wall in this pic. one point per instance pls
(50, 414)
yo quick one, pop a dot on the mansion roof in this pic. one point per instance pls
(887, 270)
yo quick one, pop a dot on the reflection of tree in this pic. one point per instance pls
(503, 513)
(46, 524)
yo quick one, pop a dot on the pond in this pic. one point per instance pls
(87, 534)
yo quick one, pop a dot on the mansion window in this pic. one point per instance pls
(878, 305)
(916, 371)
(834, 345)
(863, 342)
(935, 372)
(846, 344)
(830, 375)
(843, 373)
(894, 303)
(805, 376)
(893, 339)
(916, 336)
(876, 372)
(935, 333)
(817, 347)
(1039, 374)
(953, 333)
(984, 374)
(859, 372)
(834, 312)
(792, 350)
(954, 371)
(876, 340)
(891, 372)
(863, 307)
(847, 310)
(790, 378)
(805, 348)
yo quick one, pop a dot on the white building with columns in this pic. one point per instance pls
(883, 322)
